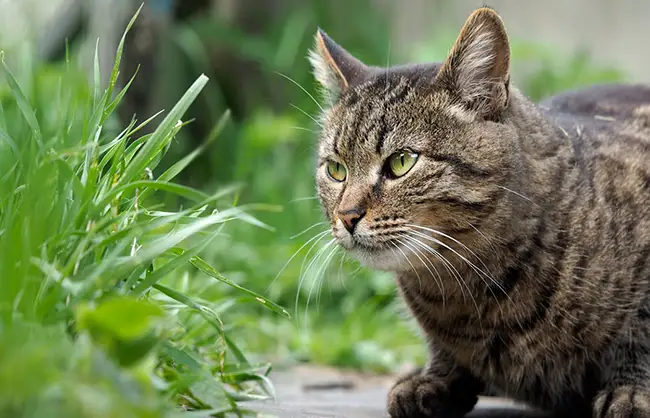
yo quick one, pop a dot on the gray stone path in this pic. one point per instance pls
(314, 392)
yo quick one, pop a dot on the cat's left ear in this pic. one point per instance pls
(477, 70)
(334, 68)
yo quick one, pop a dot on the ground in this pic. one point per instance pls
(317, 392)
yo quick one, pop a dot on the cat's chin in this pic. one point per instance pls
(382, 259)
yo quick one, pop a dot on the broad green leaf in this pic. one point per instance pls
(125, 318)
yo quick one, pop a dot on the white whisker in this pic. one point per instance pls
(481, 274)
(518, 194)
(302, 199)
(316, 121)
(457, 242)
(448, 264)
(417, 253)
(302, 128)
(408, 261)
(321, 277)
(487, 240)
(307, 230)
(303, 89)
(316, 237)
(316, 257)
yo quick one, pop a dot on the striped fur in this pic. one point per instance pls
(519, 240)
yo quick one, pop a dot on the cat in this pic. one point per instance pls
(519, 233)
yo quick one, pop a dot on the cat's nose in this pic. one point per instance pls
(351, 218)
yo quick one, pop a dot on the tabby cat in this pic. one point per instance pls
(519, 234)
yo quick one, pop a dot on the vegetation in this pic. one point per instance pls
(134, 282)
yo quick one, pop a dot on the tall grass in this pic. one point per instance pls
(96, 315)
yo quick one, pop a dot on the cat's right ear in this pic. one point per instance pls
(334, 67)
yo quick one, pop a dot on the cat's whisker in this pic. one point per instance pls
(474, 267)
(317, 224)
(302, 128)
(320, 276)
(459, 278)
(436, 276)
(316, 121)
(518, 194)
(316, 237)
(487, 240)
(446, 263)
(301, 88)
(304, 260)
(407, 260)
(303, 274)
(343, 256)
(442, 234)
(314, 278)
(408, 247)
(302, 199)
(481, 274)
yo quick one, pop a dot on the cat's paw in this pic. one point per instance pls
(421, 396)
(623, 402)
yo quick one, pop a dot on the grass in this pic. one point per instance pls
(97, 318)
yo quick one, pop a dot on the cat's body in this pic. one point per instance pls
(519, 234)
(577, 299)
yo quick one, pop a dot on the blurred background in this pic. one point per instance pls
(254, 52)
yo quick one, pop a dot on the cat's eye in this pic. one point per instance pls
(400, 163)
(336, 171)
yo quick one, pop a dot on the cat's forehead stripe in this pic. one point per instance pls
(367, 119)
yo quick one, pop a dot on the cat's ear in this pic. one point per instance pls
(334, 68)
(477, 70)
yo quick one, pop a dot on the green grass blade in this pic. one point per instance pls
(209, 315)
(113, 105)
(3, 120)
(207, 269)
(157, 141)
(118, 60)
(21, 101)
(97, 82)
(180, 165)
(177, 189)
(171, 265)
(4, 137)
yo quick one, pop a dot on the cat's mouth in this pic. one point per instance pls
(375, 257)
(384, 255)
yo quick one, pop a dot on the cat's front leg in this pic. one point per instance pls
(441, 390)
(626, 401)
(627, 395)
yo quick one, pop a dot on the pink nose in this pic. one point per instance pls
(351, 218)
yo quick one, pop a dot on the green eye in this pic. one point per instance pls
(401, 163)
(336, 171)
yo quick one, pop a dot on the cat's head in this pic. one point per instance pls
(406, 151)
